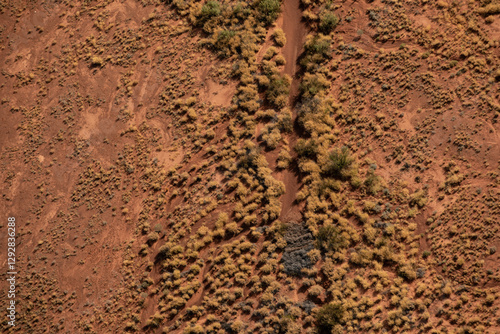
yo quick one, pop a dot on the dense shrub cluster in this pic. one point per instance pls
(225, 43)
(317, 49)
(328, 317)
(269, 10)
(210, 10)
(313, 84)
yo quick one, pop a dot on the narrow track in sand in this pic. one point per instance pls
(295, 32)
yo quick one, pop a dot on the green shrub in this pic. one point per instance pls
(339, 162)
(312, 84)
(373, 183)
(224, 44)
(209, 10)
(318, 45)
(317, 50)
(241, 11)
(279, 88)
(329, 239)
(328, 317)
(327, 21)
(269, 10)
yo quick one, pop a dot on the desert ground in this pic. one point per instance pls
(264, 166)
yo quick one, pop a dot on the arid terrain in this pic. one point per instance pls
(264, 166)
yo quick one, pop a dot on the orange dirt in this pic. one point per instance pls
(295, 33)
(122, 133)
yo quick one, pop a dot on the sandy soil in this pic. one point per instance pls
(120, 134)
(295, 32)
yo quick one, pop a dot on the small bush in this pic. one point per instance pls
(271, 137)
(327, 21)
(339, 162)
(224, 43)
(329, 239)
(267, 114)
(249, 158)
(279, 37)
(279, 88)
(152, 237)
(96, 61)
(284, 120)
(284, 159)
(270, 53)
(306, 148)
(373, 183)
(315, 291)
(328, 317)
(263, 82)
(154, 321)
(419, 198)
(406, 271)
(232, 228)
(163, 252)
(197, 329)
(280, 60)
(497, 75)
